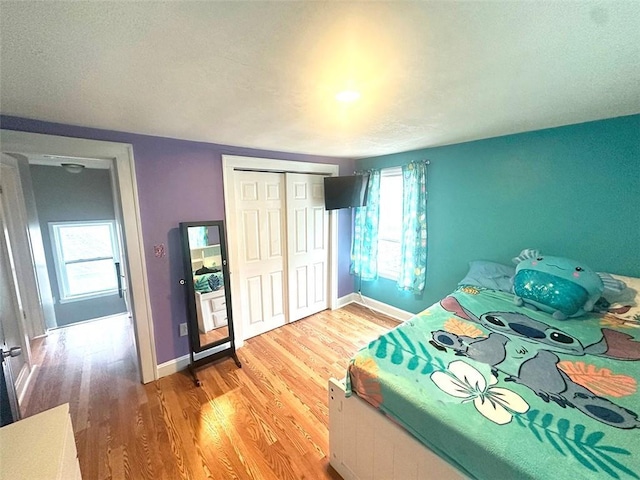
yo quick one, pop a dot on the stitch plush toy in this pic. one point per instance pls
(560, 286)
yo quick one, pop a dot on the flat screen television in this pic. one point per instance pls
(348, 191)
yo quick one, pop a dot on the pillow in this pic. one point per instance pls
(215, 282)
(626, 304)
(489, 275)
(557, 285)
(201, 283)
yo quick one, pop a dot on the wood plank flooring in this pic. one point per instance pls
(267, 420)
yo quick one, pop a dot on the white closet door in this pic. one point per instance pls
(307, 242)
(260, 210)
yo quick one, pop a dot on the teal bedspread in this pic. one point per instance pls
(506, 392)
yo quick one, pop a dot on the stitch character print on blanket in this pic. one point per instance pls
(526, 352)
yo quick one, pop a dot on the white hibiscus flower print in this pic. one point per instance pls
(461, 380)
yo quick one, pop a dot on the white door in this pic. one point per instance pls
(121, 255)
(17, 226)
(307, 242)
(260, 222)
(12, 341)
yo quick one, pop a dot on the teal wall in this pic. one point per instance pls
(571, 191)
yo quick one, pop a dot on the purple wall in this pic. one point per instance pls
(181, 181)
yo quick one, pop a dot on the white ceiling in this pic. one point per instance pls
(264, 74)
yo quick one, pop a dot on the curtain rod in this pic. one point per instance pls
(426, 162)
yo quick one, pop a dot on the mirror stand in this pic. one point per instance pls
(208, 294)
(194, 364)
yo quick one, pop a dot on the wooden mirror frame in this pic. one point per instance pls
(196, 349)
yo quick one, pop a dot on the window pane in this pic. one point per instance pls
(390, 227)
(390, 207)
(80, 242)
(389, 256)
(91, 277)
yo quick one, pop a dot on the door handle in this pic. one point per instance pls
(119, 277)
(12, 352)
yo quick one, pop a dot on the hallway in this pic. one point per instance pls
(92, 360)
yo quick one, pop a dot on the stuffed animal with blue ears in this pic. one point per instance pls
(560, 286)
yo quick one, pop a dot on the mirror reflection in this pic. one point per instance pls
(208, 283)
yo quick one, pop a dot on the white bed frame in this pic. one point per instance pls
(366, 445)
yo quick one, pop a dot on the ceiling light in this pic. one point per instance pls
(348, 96)
(73, 167)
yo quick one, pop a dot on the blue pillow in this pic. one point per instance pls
(215, 282)
(557, 285)
(491, 275)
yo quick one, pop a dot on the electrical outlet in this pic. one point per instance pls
(183, 330)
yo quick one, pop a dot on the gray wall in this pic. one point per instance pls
(37, 247)
(62, 197)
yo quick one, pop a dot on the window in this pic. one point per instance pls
(84, 254)
(390, 225)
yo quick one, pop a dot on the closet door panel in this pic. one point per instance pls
(251, 235)
(319, 228)
(319, 282)
(300, 288)
(260, 204)
(307, 255)
(277, 294)
(275, 223)
(299, 220)
(254, 297)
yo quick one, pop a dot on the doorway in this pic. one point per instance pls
(79, 228)
(51, 150)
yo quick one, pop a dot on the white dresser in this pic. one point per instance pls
(211, 310)
(41, 447)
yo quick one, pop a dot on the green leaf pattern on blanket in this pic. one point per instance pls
(431, 363)
(589, 450)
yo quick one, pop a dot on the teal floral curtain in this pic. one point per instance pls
(364, 246)
(198, 237)
(413, 258)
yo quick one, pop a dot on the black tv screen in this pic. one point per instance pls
(345, 192)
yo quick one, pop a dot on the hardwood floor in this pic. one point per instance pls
(267, 420)
(213, 335)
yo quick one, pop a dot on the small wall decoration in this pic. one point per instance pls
(159, 250)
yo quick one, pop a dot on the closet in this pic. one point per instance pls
(281, 245)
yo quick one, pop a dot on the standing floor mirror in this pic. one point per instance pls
(209, 319)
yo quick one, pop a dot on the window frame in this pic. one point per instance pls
(384, 270)
(64, 295)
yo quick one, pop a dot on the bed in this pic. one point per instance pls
(477, 387)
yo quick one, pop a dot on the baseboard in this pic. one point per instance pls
(390, 311)
(22, 382)
(373, 304)
(173, 366)
(181, 363)
(346, 300)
